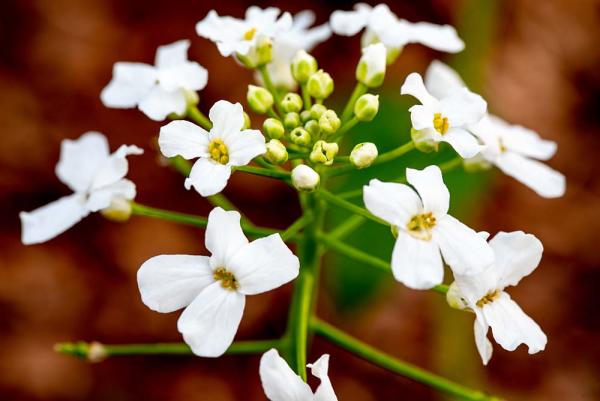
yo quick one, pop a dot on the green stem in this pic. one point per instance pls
(359, 90)
(266, 78)
(348, 125)
(296, 226)
(451, 164)
(279, 174)
(351, 207)
(349, 225)
(195, 114)
(395, 365)
(305, 97)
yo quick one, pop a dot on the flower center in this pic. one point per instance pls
(420, 226)
(488, 298)
(440, 123)
(218, 151)
(501, 145)
(249, 35)
(226, 278)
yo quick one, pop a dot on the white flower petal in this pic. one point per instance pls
(516, 255)
(227, 119)
(484, 346)
(476, 286)
(210, 322)
(172, 55)
(441, 80)
(431, 188)
(544, 180)
(349, 23)
(263, 265)
(244, 146)
(102, 197)
(131, 82)
(465, 144)
(183, 138)
(224, 236)
(114, 167)
(171, 282)
(421, 118)
(438, 37)
(46, 222)
(208, 177)
(528, 143)
(512, 327)
(392, 202)
(414, 86)
(159, 103)
(80, 160)
(190, 76)
(320, 370)
(417, 263)
(466, 252)
(463, 108)
(279, 382)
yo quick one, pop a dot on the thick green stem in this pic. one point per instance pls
(266, 78)
(280, 174)
(305, 97)
(395, 365)
(348, 125)
(351, 207)
(195, 114)
(296, 226)
(359, 90)
(350, 224)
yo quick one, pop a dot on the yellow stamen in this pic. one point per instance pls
(488, 298)
(440, 123)
(227, 279)
(420, 226)
(218, 151)
(503, 147)
(249, 35)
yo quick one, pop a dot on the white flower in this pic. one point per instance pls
(424, 229)
(96, 178)
(280, 383)
(445, 119)
(516, 255)
(288, 43)
(514, 149)
(157, 90)
(226, 145)
(371, 67)
(213, 289)
(383, 25)
(241, 36)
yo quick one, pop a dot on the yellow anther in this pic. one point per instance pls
(218, 151)
(249, 35)
(488, 298)
(420, 226)
(226, 278)
(501, 145)
(440, 123)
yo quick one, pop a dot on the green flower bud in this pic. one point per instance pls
(247, 122)
(259, 55)
(366, 107)
(329, 122)
(118, 210)
(273, 128)
(191, 97)
(305, 178)
(363, 155)
(423, 140)
(291, 120)
(276, 152)
(324, 152)
(455, 298)
(313, 128)
(320, 85)
(476, 163)
(371, 67)
(300, 137)
(306, 116)
(317, 110)
(259, 99)
(292, 102)
(392, 54)
(303, 66)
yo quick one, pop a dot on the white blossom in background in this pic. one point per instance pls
(516, 255)
(514, 149)
(285, 46)
(445, 119)
(424, 230)
(96, 178)
(382, 25)
(241, 37)
(280, 383)
(226, 145)
(213, 289)
(157, 90)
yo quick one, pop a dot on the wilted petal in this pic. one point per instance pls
(536, 175)
(279, 382)
(170, 282)
(484, 346)
(392, 202)
(244, 146)
(159, 103)
(414, 86)
(224, 236)
(441, 80)
(131, 82)
(208, 177)
(417, 263)
(48, 221)
(431, 188)
(320, 370)
(516, 255)
(183, 138)
(210, 322)
(463, 142)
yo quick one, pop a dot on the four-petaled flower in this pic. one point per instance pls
(226, 145)
(280, 383)
(97, 179)
(213, 289)
(423, 229)
(514, 149)
(157, 90)
(445, 119)
(516, 255)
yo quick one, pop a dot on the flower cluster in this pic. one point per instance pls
(299, 141)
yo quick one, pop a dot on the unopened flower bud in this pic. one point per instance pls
(324, 152)
(455, 298)
(273, 128)
(300, 137)
(306, 116)
(305, 178)
(392, 54)
(476, 163)
(96, 352)
(303, 66)
(320, 85)
(329, 122)
(371, 67)
(259, 55)
(317, 110)
(191, 97)
(276, 152)
(292, 102)
(247, 122)
(259, 99)
(363, 155)
(291, 120)
(119, 210)
(366, 107)
(313, 128)
(423, 140)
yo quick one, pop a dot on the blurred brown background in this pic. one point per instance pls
(539, 66)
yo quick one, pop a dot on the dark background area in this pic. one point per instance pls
(537, 64)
